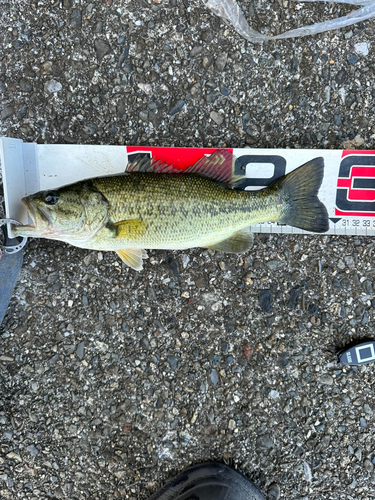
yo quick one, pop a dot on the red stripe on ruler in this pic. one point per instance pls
(180, 157)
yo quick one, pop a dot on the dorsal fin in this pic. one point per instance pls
(150, 165)
(219, 166)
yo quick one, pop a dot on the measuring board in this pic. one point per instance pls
(348, 188)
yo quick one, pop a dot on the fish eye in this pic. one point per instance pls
(51, 198)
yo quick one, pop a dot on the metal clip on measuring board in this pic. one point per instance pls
(10, 249)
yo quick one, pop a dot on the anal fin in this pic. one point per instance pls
(237, 243)
(133, 257)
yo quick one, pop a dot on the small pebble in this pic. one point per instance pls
(185, 437)
(338, 121)
(369, 466)
(177, 108)
(273, 265)
(307, 470)
(247, 350)
(274, 491)
(294, 296)
(7, 112)
(231, 424)
(221, 61)
(53, 86)
(76, 18)
(173, 266)
(326, 379)
(361, 48)
(33, 450)
(80, 351)
(352, 58)
(341, 76)
(145, 343)
(368, 287)
(173, 361)
(218, 118)
(25, 86)
(265, 441)
(265, 300)
(213, 376)
(102, 48)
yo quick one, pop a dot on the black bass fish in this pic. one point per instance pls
(155, 206)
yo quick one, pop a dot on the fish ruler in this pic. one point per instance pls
(348, 188)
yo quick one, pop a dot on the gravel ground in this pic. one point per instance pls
(111, 380)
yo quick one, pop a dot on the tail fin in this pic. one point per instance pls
(302, 206)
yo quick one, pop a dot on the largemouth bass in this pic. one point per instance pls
(155, 206)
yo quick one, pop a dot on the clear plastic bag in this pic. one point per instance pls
(231, 12)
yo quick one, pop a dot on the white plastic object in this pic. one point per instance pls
(230, 11)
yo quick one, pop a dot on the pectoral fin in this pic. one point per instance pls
(237, 243)
(132, 257)
(130, 229)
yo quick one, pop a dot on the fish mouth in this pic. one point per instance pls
(31, 210)
(36, 212)
(41, 222)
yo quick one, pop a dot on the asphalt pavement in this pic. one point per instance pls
(113, 380)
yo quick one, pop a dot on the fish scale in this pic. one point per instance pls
(180, 211)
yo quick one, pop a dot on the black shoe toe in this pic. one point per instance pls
(209, 481)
